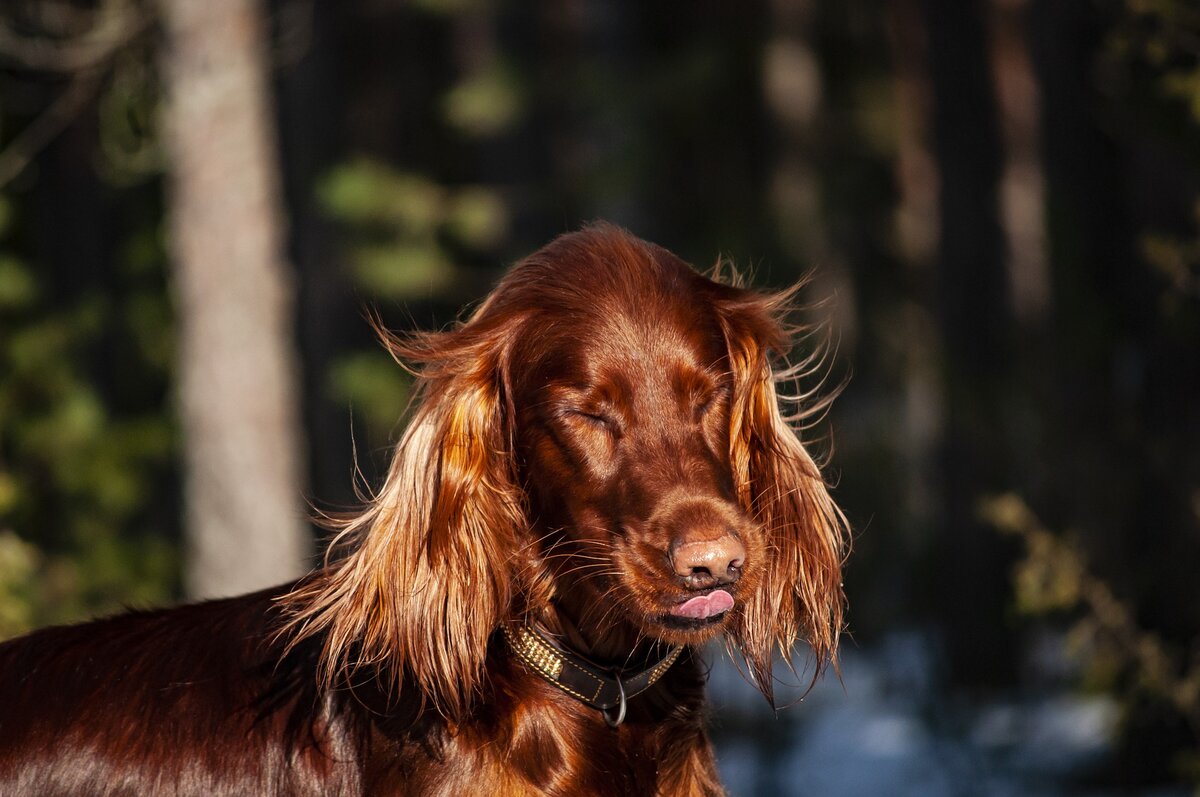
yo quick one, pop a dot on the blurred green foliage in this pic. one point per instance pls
(127, 110)
(1158, 48)
(405, 235)
(78, 475)
(485, 103)
(1116, 654)
(1162, 36)
(376, 388)
(1177, 259)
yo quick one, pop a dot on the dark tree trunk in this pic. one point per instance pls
(974, 315)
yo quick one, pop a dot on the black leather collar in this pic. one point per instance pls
(599, 687)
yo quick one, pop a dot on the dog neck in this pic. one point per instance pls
(607, 689)
(589, 627)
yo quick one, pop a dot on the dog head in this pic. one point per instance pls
(603, 432)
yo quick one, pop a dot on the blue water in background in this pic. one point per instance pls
(889, 728)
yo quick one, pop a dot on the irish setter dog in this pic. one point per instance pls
(596, 480)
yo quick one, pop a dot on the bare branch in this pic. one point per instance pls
(117, 23)
(42, 130)
(85, 57)
(59, 18)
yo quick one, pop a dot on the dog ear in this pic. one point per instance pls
(780, 486)
(425, 577)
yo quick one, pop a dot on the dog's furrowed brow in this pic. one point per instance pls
(690, 382)
(583, 395)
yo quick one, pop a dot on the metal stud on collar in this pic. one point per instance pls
(612, 723)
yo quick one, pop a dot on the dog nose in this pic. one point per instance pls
(706, 563)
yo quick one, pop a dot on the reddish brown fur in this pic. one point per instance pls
(604, 403)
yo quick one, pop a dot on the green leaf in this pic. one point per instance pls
(486, 103)
(478, 218)
(17, 287)
(366, 191)
(375, 386)
(403, 271)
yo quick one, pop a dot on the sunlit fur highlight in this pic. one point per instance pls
(410, 588)
(780, 486)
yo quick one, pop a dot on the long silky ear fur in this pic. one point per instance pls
(416, 582)
(781, 487)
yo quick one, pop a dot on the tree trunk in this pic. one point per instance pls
(975, 319)
(237, 368)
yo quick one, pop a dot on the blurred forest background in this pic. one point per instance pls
(198, 200)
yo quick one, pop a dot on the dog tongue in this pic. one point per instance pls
(703, 606)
